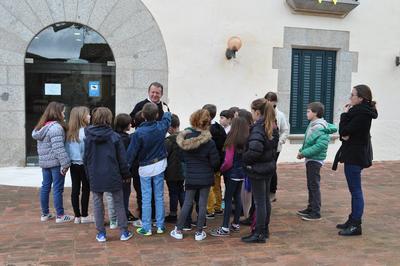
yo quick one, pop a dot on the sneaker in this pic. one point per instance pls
(187, 228)
(137, 223)
(194, 224)
(125, 236)
(64, 219)
(311, 217)
(234, 228)
(210, 216)
(304, 212)
(101, 237)
(160, 230)
(200, 236)
(176, 234)
(77, 220)
(46, 217)
(171, 218)
(87, 220)
(143, 232)
(131, 218)
(219, 213)
(219, 232)
(113, 225)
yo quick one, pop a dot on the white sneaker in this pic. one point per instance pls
(113, 225)
(200, 236)
(64, 219)
(137, 223)
(77, 220)
(176, 234)
(46, 217)
(87, 220)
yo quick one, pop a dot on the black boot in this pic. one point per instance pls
(254, 238)
(354, 229)
(266, 232)
(345, 225)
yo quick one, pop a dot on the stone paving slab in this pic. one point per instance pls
(24, 240)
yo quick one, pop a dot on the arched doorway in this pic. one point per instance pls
(69, 63)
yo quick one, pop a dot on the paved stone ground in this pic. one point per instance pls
(24, 240)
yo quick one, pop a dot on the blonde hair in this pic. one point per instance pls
(77, 120)
(200, 119)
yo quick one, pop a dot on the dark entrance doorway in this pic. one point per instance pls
(69, 63)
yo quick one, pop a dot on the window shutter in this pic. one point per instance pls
(313, 79)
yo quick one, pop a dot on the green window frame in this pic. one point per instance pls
(313, 80)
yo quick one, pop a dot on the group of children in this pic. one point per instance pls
(192, 162)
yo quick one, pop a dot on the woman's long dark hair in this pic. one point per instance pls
(238, 135)
(53, 112)
(364, 92)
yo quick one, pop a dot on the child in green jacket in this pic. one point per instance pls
(314, 150)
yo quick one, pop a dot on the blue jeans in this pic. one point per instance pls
(353, 177)
(158, 185)
(52, 176)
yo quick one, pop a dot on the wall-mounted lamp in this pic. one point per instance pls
(234, 44)
(397, 60)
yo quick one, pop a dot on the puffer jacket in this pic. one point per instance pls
(51, 146)
(315, 145)
(260, 153)
(200, 158)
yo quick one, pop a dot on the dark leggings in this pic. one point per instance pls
(78, 177)
(187, 207)
(274, 179)
(260, 188)
(233, 190)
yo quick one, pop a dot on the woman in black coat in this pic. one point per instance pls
(260, 165)
(356, 151)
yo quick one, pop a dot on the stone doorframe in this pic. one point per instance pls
(303, 38)
(128, 27)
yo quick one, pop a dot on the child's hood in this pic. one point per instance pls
(190, 140)
(99, 133)
(41, 133)
(323, 126)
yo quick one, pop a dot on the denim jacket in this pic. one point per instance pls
(147, 142)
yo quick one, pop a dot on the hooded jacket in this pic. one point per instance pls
(200, 158)
(260, 153)
(104, 159)
(316, 140)
(174, 168)
(51, 146)
(356, 124)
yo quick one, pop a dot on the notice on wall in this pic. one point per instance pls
(52, 89)
(94, 88)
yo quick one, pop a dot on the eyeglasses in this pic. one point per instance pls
(352, 95)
